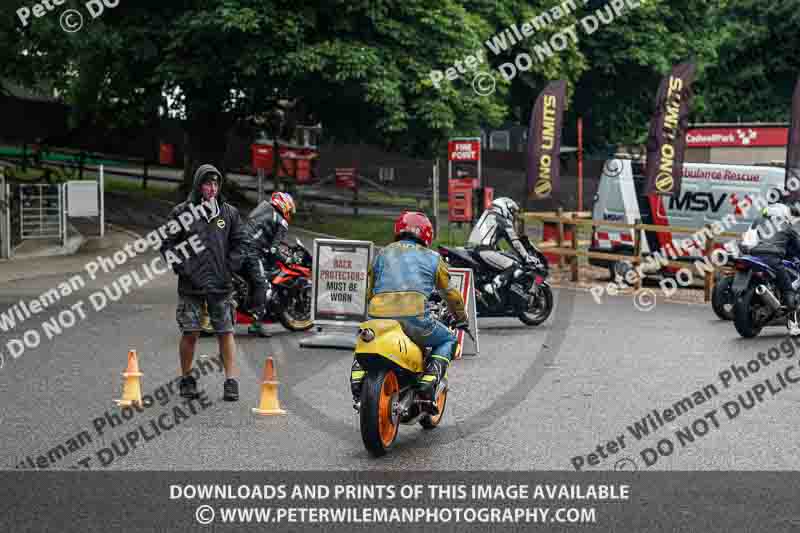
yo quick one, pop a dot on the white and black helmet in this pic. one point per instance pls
(507, 207)
(778, 196)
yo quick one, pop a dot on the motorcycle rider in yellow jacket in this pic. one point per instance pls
(400, 280)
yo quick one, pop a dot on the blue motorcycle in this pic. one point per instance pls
(757, 296)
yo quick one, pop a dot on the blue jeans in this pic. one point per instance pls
(427, 332)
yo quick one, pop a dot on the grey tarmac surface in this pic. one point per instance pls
(534, 398)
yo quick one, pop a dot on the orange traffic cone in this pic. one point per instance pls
(269, 392)
(132, 387)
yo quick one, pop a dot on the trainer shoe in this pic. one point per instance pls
(188, 387)
(256, 328)
(231, 390)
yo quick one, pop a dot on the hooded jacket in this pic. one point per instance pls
(219, 228)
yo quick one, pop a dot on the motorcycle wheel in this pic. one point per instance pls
(722, 299)
(379, 424)
(543, 306)
(743, 315)
(430, 422)
(296, 316)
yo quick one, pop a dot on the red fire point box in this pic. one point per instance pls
(459, 200)
(295, 162)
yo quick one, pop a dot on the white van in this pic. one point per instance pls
(709, 193)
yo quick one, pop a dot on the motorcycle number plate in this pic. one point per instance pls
(741, 281)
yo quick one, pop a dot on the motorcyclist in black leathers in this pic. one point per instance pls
(777, 239)
(266, 227)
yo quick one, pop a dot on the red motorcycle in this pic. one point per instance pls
(290, 299)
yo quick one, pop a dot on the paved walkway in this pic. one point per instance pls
(33, 267)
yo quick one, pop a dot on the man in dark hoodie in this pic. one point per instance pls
(205, 277)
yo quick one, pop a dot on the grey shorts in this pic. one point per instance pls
(190, 311)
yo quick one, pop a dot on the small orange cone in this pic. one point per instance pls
(132, 387)
(268, 404)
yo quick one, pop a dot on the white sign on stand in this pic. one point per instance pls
(82, 200)
(339, 290)
(463, 280)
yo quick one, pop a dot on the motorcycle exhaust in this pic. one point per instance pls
(768, 297)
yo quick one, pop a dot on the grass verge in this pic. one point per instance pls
(155, 190)
(401, 201)
(377, 229)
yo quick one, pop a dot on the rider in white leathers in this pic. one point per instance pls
(495, 225)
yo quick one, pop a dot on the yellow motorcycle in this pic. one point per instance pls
(393, 365)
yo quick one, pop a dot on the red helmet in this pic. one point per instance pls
(416, 225)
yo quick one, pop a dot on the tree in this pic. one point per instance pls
(628, 58)
(361, 67)
(758, 63)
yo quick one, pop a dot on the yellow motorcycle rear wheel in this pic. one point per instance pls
(379, 423)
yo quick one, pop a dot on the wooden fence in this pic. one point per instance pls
(565, 248)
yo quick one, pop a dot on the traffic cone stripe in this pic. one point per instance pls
(132, 386)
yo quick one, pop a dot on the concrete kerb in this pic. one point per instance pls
(71, 247)
(124, 230)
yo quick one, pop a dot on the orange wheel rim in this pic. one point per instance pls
(386, 427)
(440, 401)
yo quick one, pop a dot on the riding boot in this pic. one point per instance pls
(357, 374)
(435, 372)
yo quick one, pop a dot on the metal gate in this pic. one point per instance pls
(41, 212)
